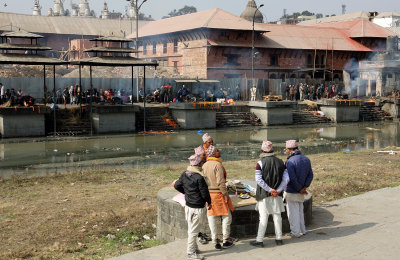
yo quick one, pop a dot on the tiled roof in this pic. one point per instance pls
(358, 28)
(308, 38)
(337, 18)
(212, 19)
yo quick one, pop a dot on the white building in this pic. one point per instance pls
(388, 19)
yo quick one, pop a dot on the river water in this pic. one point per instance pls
(41, 156)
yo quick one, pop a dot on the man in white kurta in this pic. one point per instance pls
(271, 181)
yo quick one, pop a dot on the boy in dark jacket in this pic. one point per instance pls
(192, 184)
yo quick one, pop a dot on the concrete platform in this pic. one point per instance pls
(341, 110)
(23, 121)
(273, 112)
(360, 227)
(114, 119)
(195, 115)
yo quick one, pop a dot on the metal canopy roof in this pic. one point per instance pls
(108, 49)
(111, 39)
(208, 81)
(20, 34)
(28, 59)
(7, 46)
(185, 81)
(114, 61)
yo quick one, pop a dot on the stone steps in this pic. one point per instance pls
(308, 117)
(373, 113)
(230, 119)
(69, 123)
(156, 120)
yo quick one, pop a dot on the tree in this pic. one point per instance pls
(143, 17)
(307, 13)
(319, 16)
(185, 10)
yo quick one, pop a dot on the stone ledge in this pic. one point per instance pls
(171, 223)
(109, 109)
(34, 110)
(272, 104)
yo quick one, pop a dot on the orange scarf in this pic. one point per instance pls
(217, 160)
(205, 148)
(214, 159)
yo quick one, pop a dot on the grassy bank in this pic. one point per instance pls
(97, 214)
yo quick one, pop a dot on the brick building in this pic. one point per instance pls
(217, 44)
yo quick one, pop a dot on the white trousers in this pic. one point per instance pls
(262, 226)
(295, 211)
(194, 218)
(226, 227)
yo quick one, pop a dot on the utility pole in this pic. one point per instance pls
(252, 48)
(137, 4)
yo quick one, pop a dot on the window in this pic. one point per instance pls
(273, 60)
(323, 60)
(175, 65)
(144, 49)
(175, 45)
(154, 47)
(165, 47)
(232, 59)
(309, 60)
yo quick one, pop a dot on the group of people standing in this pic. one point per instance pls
(8, 94)
(206, 194)
(304, 91)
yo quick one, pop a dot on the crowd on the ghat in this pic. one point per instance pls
(165, 94)
(304, 91)
(73, 95)
(204, 185)
(10, 97)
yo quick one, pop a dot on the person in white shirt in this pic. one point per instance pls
(272, 180)
(2, 93)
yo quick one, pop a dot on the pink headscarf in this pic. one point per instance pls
(266, 146)
(211, 151)
(199, 150)
(291, 144)
(206, 137)
(194, 160)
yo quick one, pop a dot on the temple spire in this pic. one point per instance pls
(248, 13)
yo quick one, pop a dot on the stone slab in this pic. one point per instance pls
(195, 118)
(114, 118)
(171, 223)
(114, 122)
(272, 104)
(341, 113)
(273, 112)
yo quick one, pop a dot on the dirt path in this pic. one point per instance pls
(97, 214)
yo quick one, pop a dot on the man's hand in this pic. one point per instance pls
(274, 193)
(304, 191)
(209, 206)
